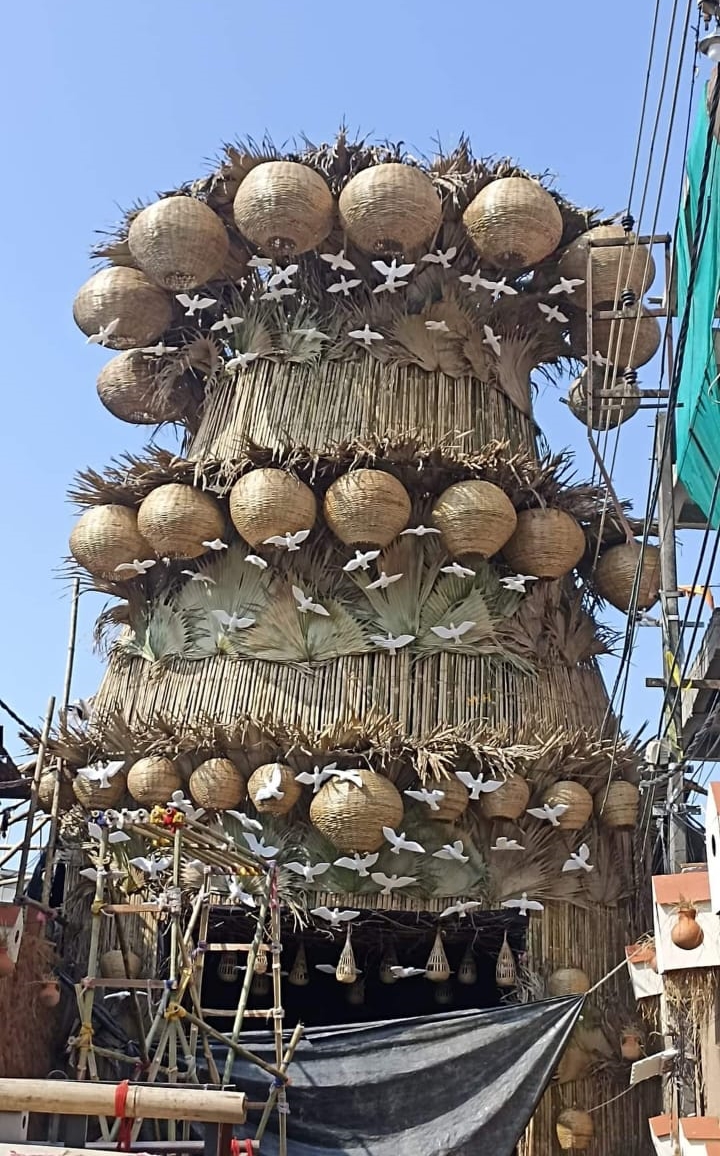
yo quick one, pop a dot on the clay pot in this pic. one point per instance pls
(7, 967)
(631, 1045)
(49, 994)
(687, 934)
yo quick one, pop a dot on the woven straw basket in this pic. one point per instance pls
(178, 243)
(575, 1129)
(127, 388)
(513, 222)
(390, 208)
(346, 970)
(610, 406)
(474, 518)
(453, 805)
(152, 780)
(577, 799)
(46, 790)
(614, 267)
(144, 310)
(626, 343)
(437, 968)
(269, 502)
(106, 537)
(508, 802)
(367, 507)
(284, 207)
(505, 970)
(568, 981)
(96, 798)
(546, 543)
(112, 965)
(619, 806)
(615, 575)
(217, 785)
(290, 787)
(177, 519)
(352, 817)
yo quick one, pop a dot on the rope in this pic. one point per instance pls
(606, 977)
(174, 1011)
(125, 1130)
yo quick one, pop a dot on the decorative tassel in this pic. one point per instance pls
(467, 971)
(346, 970)
(388, 961)
(227, 967)
(299, 975)
(505, 971)
(437, 968)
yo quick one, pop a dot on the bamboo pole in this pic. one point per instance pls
(286, 1061)
(247, 980)
(39, 762)
(161, 1101)
(235, 1047)
(86, 996)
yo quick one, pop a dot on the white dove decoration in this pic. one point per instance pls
(307, 870)
(159, 349)
(401, 842)
(491, 339)
(597, 358)
(390, 883)
(152, 867)
(271, 789)
(95, 831)
(349, 775)
(194, 304)
(93, 873)
(442, 257)
(126, 994)
(135, 567)
(101, 774)
(437, 326)
(503, 843)
(238, 893)
(518, 582)
(226, 323)
(406, 972)
(552, 313)
(431, 798)
(334, 917)
(452, 851)
(523, 904)
(231, 621)
(282, 277)
(288, 541)
(344, 286)
(547, 813)
(579, 860)
(393, 271)
(241, 360)
(276, 293)
(259, 846)
(366, 335)
(315, 778)
(180, 803)
(104, 331)
(256, 560)
(460, 909)
(418, 531)
(361, 561)
(473, 281)
(566, 285)
(337, 261)
(457, 570)
(260, 263)
(196, 576)
(306, 605)
(245, 821)
(452, 633)
(383, 581)
(478, 785)
(390, 643)
(216, 544)
(359, 863)
(498, 288)
(310, 334)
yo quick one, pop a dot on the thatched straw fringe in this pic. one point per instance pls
(26, 1037)
(444, 690)
(321, 404)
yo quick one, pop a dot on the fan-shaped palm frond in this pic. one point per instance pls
(398, 607)
(283, 634)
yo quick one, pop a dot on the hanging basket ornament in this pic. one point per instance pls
(437, 968)
(453, 804)
(179, 519)
(609, 406)
(153, 780)
(353, 817)
(112, 965)
(576, 798)
(505, 970)
(614, 268)
(299, 975)
(618, 805)
(508, 801)
(568, 981)
(217, 785)
(513, 223)
(346, 970)
(547, 543)
(128, 388)
(284, 207)
(270, 778)
(227, 967)
(266, 503)
(179, 243)
(367, 507)
(106, 537)
(387, 963)
(261, 983)
(627, 343)
(574, 1129)
(467, 972)
(125, 300)
(614, 576)
(93, 797)
(390, 208)
(474, 518)
(355, 993)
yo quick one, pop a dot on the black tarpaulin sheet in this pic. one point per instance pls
(459, 1084)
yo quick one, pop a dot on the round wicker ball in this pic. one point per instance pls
(390, 208)
(626, 343)
(615, 575)
(284, 207)
(547, 543)
(568, 981)
(474, 518)
(108, 536)
(112, 965)
(609, 407)
(508, 802)
(291, 789)
(128, 388)
(46, 791)
(614, 267)
(367, 507)
(353, 817)
(577, 799)
(177, 519)
(144, 310)
(575, 1129)
(96, 798)
(152, 780)
(269, 502)
(513, 222)
(619, 805)
(178, 243)
(217, 785)
(453, 805)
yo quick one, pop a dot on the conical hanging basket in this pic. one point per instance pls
(619, 805)
(177, 519)
(291, 789)
(269, 502)
(577, 799)
(353, 817)
(96, 798)
(390, 208)
(127, 386)
(112, 965)
(614, 267)
(217, 785)
(346, 970)
(568, 981)
(151, 781)
(627, 343)
(467, 972)
(437, 968)
(284, 207)
(505, 970)
(299, 975)
(46, 790)
(108, 536)
(144, 311)
(575, 1129)
(508, 802)
(547, 543)
(387, 963)
(367, 507)
(178, 243)
(453, 805)
(227, 967)
(513, 223)
(474, 518)
(614, 575)
(610, 406)
(261, 983)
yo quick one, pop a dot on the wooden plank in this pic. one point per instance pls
(263, 947)
(150, 1101)
(123, 984)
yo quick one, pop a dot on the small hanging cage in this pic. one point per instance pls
(387, 963)
(437, 968)
(260, 983)
(443, 994)
(261, 962)
(505, 970)
(467, 972)
(299, 975)
(227, 967)
(346, 970)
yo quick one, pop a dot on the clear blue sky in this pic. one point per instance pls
(109, 102)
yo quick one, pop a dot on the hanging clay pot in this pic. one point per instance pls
(467, 971)
(7, 967)
(687, 934)
(505, 972)
(299, 975)
(437, 968)
(387, 963)
(227, 967)
(631, 1044)
(346, 970)
(49, 994)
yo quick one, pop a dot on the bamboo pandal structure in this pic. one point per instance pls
(161, 1101)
